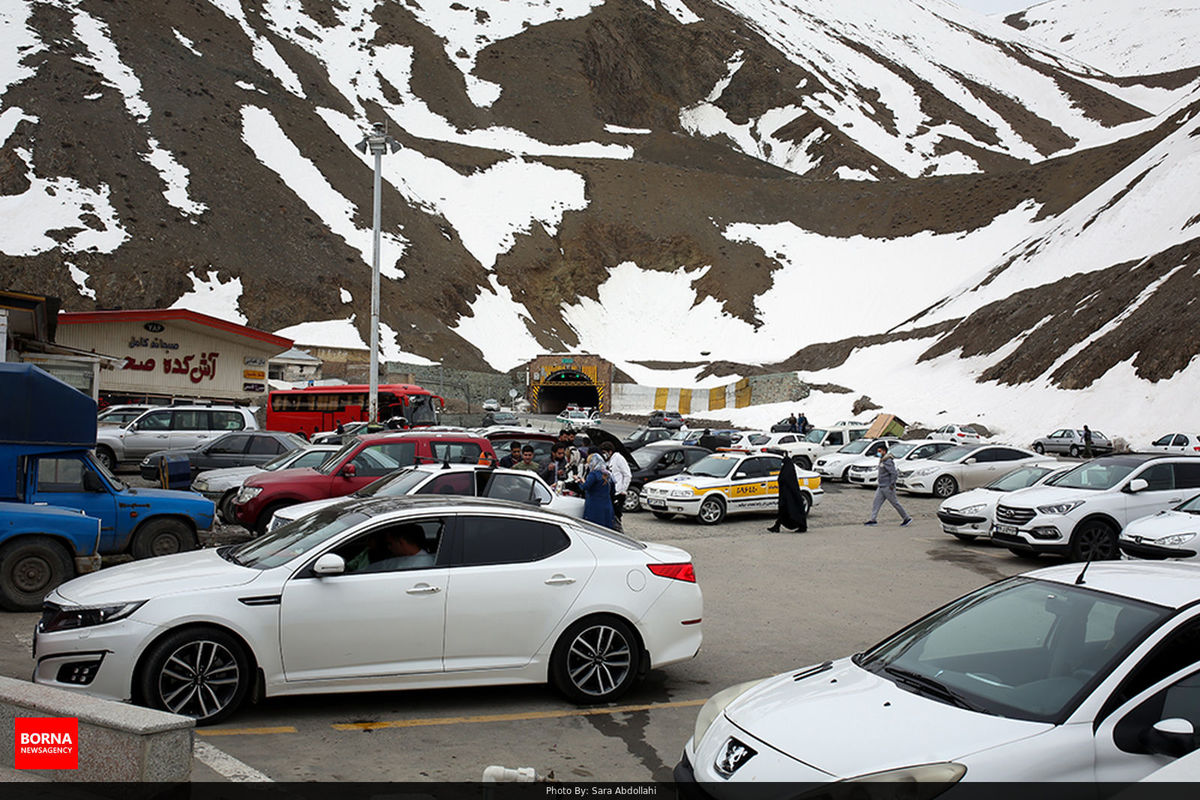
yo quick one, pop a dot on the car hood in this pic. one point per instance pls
(694, 481)
(1034, 496)
(228, 476)
(141, 496)
(1164, 523)
(847, 721)
(265, 478)
(153, 577)
(299, 510)
(972, 497)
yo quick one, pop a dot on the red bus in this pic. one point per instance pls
(322, 408)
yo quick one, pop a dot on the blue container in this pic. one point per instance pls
(174, 471)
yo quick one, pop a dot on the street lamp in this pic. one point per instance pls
(377, 142)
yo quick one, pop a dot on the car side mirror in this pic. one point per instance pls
(970, 461)
(92, 482)
(329, 564)
(1173, 737)
(349, 471)
(1137, 485)
(739, 475)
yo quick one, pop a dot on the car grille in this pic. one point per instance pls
(1007, 515)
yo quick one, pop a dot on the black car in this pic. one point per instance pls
(644, 436)
(234, 449)
(665, 419)
(500, 418)
(659, 460)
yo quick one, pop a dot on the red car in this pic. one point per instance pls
(362, 460)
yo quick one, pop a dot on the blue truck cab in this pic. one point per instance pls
(47, 432)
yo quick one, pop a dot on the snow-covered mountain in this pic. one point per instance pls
(751, 182)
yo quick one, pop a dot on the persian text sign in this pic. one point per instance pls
(46, 743)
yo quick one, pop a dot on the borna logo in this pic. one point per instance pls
(46, 743)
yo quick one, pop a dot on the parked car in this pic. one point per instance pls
(244, 448)
(467, 480)
(222, 485)
(1167, 534)
(972, 513)
(343, 433)
(1084, 512)
(659, 460)
(1031, 679)
(595, 608)
(40, 547)
(168, 428)
(836, 465)
(362, 460)
(504, 437)
(959, 434)
(644, 436)
(491, 404)
(574, 418)
(819, 441)
(665, 419)
(865, 471)
(964, 467)
(1177, 443)
(121, 414)
(500, 418)
(725, 483)
(1069, 441)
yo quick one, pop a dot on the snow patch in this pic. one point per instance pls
(339, 333)
(186, 42)
(264, 52)
(17, 43)
(211, 296)
(497, 326)
(80, 278)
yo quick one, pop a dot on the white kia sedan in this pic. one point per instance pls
(1171, 534)
(1055, 675)
(958, 468)
(972, 513)
(382, 594)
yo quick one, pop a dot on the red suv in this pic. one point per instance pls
(362, 460)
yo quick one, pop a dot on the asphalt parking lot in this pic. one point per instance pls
(773, 602)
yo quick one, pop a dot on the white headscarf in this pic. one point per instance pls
(596, 461)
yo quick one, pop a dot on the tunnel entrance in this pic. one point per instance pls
(566, 387)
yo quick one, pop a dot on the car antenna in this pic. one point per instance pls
(1088, 563)
(446, 459)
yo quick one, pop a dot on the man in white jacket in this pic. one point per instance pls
(618, 467)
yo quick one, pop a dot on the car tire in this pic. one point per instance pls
(712, 510)
(1074, 451)
(596, 660)
(162, 537)
(264, 519)
(1094, 540)
(664, 515)
(945, 486)
(803, 462)
(29, 569)
(965, 537)
(226, 507)
(172, 680)
(633, 499)
(846, 475)
(1039, 449)
(805, 503)
(106, 458)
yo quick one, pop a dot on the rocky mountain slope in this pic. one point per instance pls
(752, 182)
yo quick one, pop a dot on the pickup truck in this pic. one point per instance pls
(47, 432)
(41, 547)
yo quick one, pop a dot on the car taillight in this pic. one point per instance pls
(679, 572)
(960, 434)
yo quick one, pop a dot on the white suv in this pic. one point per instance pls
(820, 441)
(169, 428)
(1082, 514)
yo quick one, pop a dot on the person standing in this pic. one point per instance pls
(597, 493)
(618, 467)
(514, 456)
(887, 488)
(527, 462)
(793, 505)
(558, 468)
(1087, 442)
(792, 423)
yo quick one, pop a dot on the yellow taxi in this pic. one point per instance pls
(726, 483)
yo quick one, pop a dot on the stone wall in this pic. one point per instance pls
(464, 390)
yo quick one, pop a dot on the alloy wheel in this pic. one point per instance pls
(199, 679)
(599, 660)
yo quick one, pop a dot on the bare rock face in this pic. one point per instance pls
(864, 404)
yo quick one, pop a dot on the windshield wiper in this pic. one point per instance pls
(930, 686)
(226, 553)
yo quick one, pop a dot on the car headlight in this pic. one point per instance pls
(200, 486)
(1060, 508)
(716, 704)
(66, 619)
(681, 493)
(248, 493)
(975, 509)
(146, 461)
(1176, 539)
(926, 471)
(942, 772)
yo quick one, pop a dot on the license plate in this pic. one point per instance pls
(656, 503)
(1007, 530)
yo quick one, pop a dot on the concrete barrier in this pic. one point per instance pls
(117, 741)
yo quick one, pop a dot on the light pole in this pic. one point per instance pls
(377, 142)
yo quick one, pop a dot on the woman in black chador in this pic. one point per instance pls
(792, 505)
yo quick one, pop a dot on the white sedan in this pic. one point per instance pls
(1171, 534)
(726, 483)
(1177, 443)
(493, 593)
(1033, 678)
(835, 466)
(972, 513)
(865, 470)
(471, 480)
(958, 468)
(959, 434)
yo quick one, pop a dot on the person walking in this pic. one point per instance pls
(1087, 442)
(793, 506)
(887, 488)
(618, 468)
(597, 492)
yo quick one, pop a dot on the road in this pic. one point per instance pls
(773, 602)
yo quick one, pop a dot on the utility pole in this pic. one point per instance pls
(377, 142)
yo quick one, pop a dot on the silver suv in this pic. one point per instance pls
(169, 428)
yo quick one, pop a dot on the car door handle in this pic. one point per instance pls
(424, 588)
(162, 436)
(559, 580)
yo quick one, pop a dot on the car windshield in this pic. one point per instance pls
(282, 459)
(293, 539)
(902, 449)
(952, 454)
(1018, 479)
(816, 435)
(1020, 648)
(328, 465)
(857, 446)
(758, 438)
(1097, 475)
(398, 483)
(116, 482)
(1190, 506)
(645, 456)
(712, 467)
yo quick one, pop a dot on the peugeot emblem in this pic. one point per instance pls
(732, 756)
